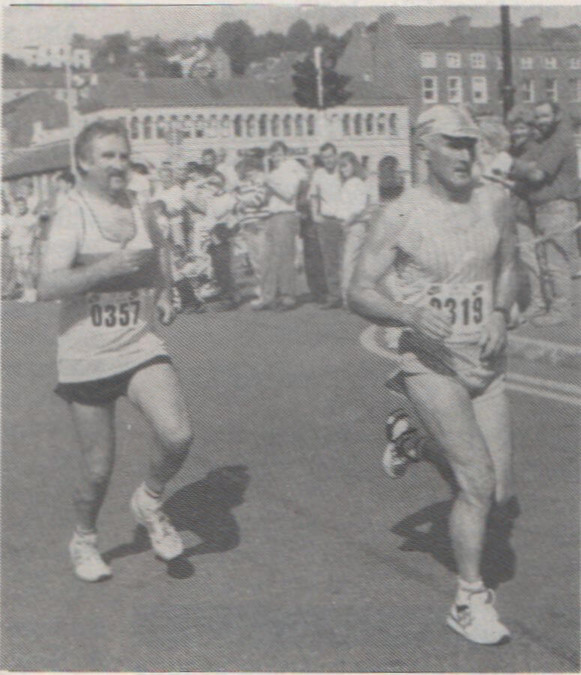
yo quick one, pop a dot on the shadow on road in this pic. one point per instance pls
(426, 531)
(204, 508)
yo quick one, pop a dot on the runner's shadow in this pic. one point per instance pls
(427, 531)
(204, 508)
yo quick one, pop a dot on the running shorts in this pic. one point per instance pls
(106, 390)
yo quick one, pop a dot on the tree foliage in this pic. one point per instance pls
(305, 82)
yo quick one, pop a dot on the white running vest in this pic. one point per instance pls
(109, 330)
(445, 259)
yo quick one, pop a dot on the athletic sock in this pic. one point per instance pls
(466, 589)
(151, 493)
(82, 532)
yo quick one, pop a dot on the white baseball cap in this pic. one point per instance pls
(447, 120)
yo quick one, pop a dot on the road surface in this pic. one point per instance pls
(302, 554)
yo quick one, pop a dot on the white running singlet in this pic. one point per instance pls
(108, 330)
(445, 258)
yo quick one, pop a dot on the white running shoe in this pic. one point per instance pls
(87, 561)
(394, 462)
(477, 620)
(165, 540)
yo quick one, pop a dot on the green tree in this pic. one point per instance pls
(236, 39)
(299, 37)
(305, 81)
(114, 53)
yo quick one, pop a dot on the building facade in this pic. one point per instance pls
(55, 56)
(460, 63)
(175, 120)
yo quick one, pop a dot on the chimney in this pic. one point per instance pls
(461, 24)
(141, 74)
(532, 26)
(386, 20)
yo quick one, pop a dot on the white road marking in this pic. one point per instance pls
(534, 386)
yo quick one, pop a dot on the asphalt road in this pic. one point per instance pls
(302, 554)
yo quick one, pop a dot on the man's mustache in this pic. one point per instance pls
(117, 174)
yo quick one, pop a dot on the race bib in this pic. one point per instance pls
(115, 310)
(467, 305)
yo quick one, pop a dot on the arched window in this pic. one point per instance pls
(186, 127)
(275, 125)
(134, 128)
(335, 124)
(381, 124)
(225, 126)
(212, 127)
(251, 126)
(161, 127)
(346, 124)
(393, 124)
(369, 126)
(238, 126)
(299, 126)
(199, 126)
(263, 125)
(357, 124)
(311, 125)
(147, 128)
(287, 125)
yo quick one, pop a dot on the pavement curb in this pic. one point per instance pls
(554, 353)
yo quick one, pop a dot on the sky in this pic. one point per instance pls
(45, 24)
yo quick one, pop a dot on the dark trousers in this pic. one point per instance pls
(332, 240)
(221, 255)
(279, 279)
(314, 268)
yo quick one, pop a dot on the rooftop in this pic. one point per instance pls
(244, 91)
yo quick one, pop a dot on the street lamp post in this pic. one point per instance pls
(507, 86)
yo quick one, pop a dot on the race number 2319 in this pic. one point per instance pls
(466, 305)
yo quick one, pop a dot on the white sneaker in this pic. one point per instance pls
(87, 561)
(394, 463)
(477, 620)
(165, 540)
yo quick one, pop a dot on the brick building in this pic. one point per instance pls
(461, 63)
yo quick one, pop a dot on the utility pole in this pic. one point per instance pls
(70, 106)
(507, 86)
(319, 68)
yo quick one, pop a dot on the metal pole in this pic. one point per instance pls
(507, 86)
(319, 68)
(70, 107)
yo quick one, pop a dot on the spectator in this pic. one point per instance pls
(139, 183)
(530, 297)
(551, 185)
(210, 235)
(9, 284)
(390, 182)
(23, 232)
(252, 210)
(325, 193)
(283, 182)
(65, 182)
(350, 210)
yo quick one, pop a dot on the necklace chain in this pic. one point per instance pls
(102, 229)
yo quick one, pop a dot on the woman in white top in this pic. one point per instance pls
(353, 201)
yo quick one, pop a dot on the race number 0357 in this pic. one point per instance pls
(111, 315)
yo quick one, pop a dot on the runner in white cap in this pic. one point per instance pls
(439, 264)
(110, 268)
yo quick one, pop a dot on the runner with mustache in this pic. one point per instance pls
(109, 267)
(439, 264)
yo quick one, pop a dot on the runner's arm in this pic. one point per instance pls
(59, 278)
(377, 257)
(494, 333)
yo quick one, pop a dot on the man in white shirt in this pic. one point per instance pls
(325, 194)
(283, 182)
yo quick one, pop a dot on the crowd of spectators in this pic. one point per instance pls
(243, 232)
